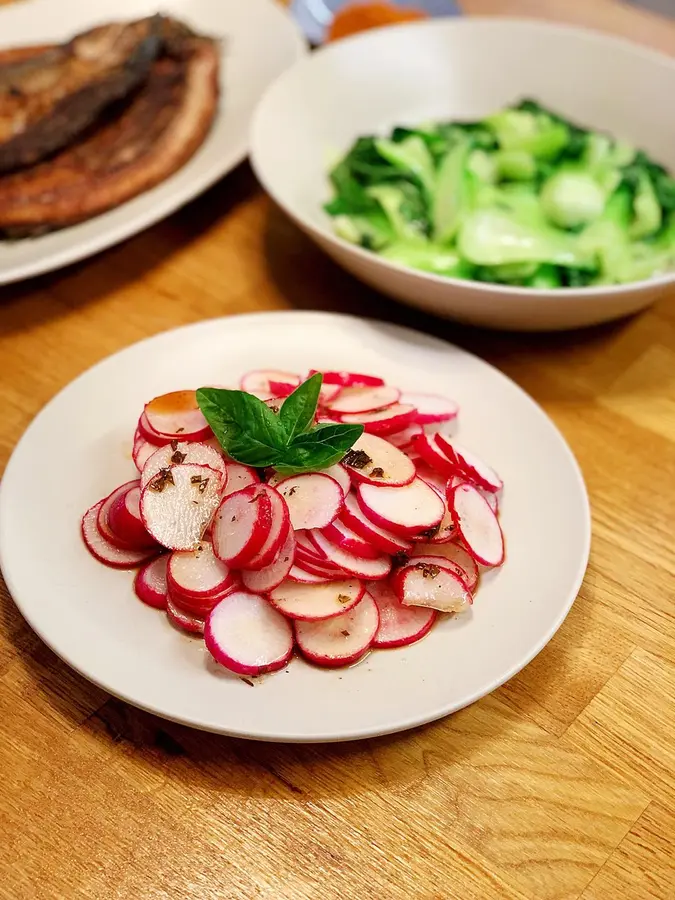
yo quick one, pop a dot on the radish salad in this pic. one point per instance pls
(329, 514)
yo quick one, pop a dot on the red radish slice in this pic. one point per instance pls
(103, 550)
(305, 546)
(364, 399)
(376, 461)
(477, 525)
(326, 571)
(431, 407)
(104, 516)
(198, 573)
(372, 569)
(247, 635)
(341, 640)
(183, 452)
(393, 419)
(491, 497)
(277, 534)
(177, 415)
(178, 505)
(150, 583)
(454, 553)
(346, 539)
(399, 625)
(410, 510)
(446, 530)
(422, 584)
(313, 602)
(272, 576)
(302, 576)
(341, 475)
(149, 434)
(444, 563)
(429, 449)
(348, 379)
(202, 606)
(313, 500)
(238, 478)
(184, 621)
(125, 520)
(327, 392)
(241, 525)
(471, 466)
(142, 451)
(352, 515)
(403, 439)
(258, 381)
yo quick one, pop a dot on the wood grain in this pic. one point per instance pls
(558, 786)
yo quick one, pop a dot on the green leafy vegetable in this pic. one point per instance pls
(253, 434)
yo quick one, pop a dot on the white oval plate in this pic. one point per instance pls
(259, 41)
(78, 449)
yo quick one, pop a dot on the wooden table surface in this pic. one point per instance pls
(559, 785)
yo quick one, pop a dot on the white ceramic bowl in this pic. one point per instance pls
(459, 68)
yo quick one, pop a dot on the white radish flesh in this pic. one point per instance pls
(247, 635)
(376, 461)
(341, 640)
(429, 449)
(364, 399)
(238, 478)
(241, 525)
(312, 602)
(372, 569)
(353, 516)
(471, 466)
(302, 576)
(258, 381)
(272, 575)
(455, 554)
(198, 573)
(399, 625)
(431, 586)
(443, 563)
(103, 550)
(410, 510)
(183, 620)
(183, 452)
(393, 419)
(178, 505)
(278, 531)
(125, 520)
(340, 474)
(404, 439)
(346, 539)
(313, 500)
(492, 497)
(177, 415)
(149, 434)
(142, 451)
(150, 583)
(477, 525)
(431, 407)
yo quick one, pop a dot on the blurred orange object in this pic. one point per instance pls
(360, 16)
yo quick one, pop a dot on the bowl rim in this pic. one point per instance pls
(598, 292)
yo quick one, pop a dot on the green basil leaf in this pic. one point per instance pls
(299, 408)
(322, 447)
(246, 428)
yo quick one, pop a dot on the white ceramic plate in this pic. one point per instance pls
(259, 41)
(78, 449)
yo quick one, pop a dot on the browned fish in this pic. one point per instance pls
(137, 144)
(51, 95)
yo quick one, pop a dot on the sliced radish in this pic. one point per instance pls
(364, 399)
(446, 530)
(238, 478)
(198, 573)
(272, 575)
(177, 415)
(444, 563)
(472, 467)
(103, 550)
(149, 434)
(183, 452)
(327, 392)
(142, 451)
(399, 625)
(305, 546)
(125, 520)
(183, 620)
(353, 517)
(247, 635)
(454, 553)
(393, 419)
(431, 407)
(346, 539)
(312, 602)
(376, 461)
(340, 474)
(492, 497)
(104, 516)
(178, 504)
(277, 534)
(241, 525)
(423, 584)
(325, 570)
(302, 576)
(348, 379)
(341, 640)
(410, 510)
(428, 447)
(201, 605)
(404, 439)
(372, 569)
(258, 381)
(477, 525)
(150, 583)
(313, 500)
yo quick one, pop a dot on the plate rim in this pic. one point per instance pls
(395, 726)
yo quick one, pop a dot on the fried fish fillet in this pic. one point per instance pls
(135, 145)
(49, 97)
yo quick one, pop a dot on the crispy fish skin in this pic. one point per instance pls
(136, 145)
(50, 96)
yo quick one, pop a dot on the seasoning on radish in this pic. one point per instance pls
(426, 584)
(178, 504)
(410, 510)
(312, 602)
(183, 452)
(375, 461)
(341, 640)
(313, 499)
